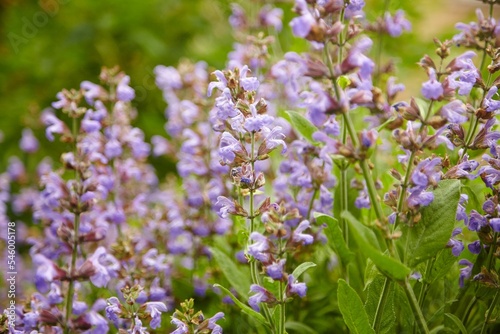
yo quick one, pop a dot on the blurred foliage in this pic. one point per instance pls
(48, 45)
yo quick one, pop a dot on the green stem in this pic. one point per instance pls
(468, 310)
(419, 317)
(377, 319)
(311, 203)
(494, 302)
(493, 247)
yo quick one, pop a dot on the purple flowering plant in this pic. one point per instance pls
(310, 194)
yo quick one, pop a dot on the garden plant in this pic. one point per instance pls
(311, 194)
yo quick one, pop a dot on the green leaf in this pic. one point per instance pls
(441, 267)
(236, 276)
(299, 327)
(302, 268)
(335, 237)
(373, 292)
(432, 232)
(364, 231)
(244, 308)
(352, 309)
(388, 266)
(457, 322)
(301, 124)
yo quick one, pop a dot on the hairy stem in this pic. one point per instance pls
(419, 317)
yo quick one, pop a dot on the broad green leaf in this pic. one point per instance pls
(302, 268)
(432, 232)
(457, 322)
(244, 308)
(373, 293)
(352, 309)
(404, 312)
(236, 276)
(364, 231)
(388, 266)
(441, 267)
(301, 124)
(335, 237)
(298, 327)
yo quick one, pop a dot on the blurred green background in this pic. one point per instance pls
(48, 45)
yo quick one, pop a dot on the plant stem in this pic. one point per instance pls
(381, 304)
(313, 197)
(419, 317)
(493, 247)
(71, 287)
(494, 302)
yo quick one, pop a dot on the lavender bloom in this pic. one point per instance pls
(182, 328)
(396, 24)
(454, 112)
(427, 172)
(456, 246)
(216, 329)
(54, 125)
(294, 287)
(138, 328)
(227, 206)
(46, 273)
(106, 266)
(495, 224)
(476, 221)
(124, 92)
(228, 147)
(302, 25)
(362, 201)
(28, 143)
(261, 296)
(432, 89)
(461, 214)
(489, 104)
(113, 309)
(237, 19)
(465, 272)
(300, 237)
(275, 269)
(354, 8)
(466, 75)
(272, 17)
(419, 198)
(91, 91)
(167, 78)
(155, 309)
(475, 247)
(260, 248)
(356, 58)
(256, 122)
(273, 138)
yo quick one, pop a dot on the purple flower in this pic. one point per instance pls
(167, 78)
(216, 329)
(256, 122)
(105, 265)
(227, 206)
(28, 143)
(362, 201)
(294, 287)
(54, 125)
(456, 246)
(354, 8)
(356, 58)
(454, 112)
(495, 224)
(475, 247)
(261, 296)
(155, 309)
(182, 328)
(220, 84)
(461, 214)
(419, 198)
(465, 272)
(300, 237)
(476, 221)
(138, 328)
(260, 248)
(113, 309)
(91, 91)
(46, 273)
(124, 92)
(228, 147)
(427, 172)
(273, 138)
(270, 16)
(275, 269)
(432, 89)
(396, 24)
(489, 104)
